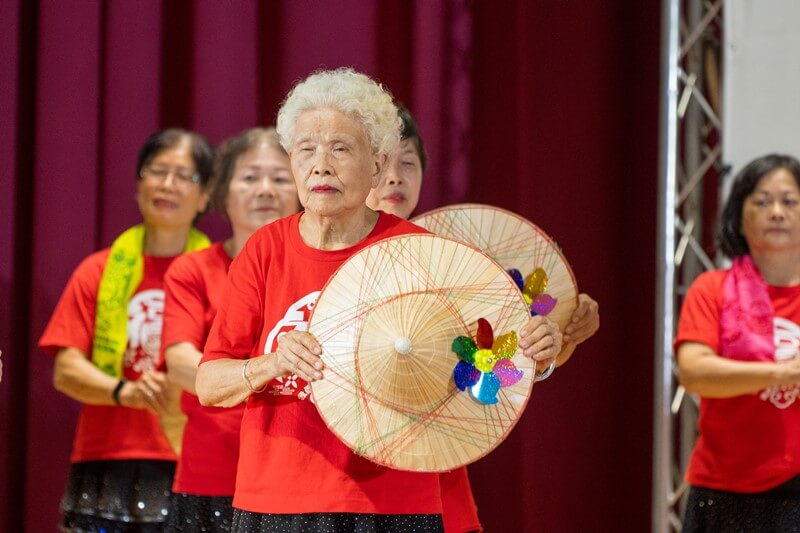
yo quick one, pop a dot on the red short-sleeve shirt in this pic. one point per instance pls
(290, 462)
(460, 514)
(110, 432)
(747, 443)
(210, 447)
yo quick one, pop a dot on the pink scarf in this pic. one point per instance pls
(746, 319)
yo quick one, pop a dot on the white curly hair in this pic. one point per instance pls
(347, 91)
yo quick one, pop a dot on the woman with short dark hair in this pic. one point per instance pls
(738, 346)
(105, 333)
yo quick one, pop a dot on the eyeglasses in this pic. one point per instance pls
(183, 176)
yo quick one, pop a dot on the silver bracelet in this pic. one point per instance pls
(247, 380)
(541, 376)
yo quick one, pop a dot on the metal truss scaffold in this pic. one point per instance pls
(690, 167)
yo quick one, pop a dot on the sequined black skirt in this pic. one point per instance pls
(189, 513)
(718, 511)
(123, 496)
(247, 522)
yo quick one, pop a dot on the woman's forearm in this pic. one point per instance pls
(220, 383)
(76, 376)
(713, 376)
(725, 378)
(182, 361)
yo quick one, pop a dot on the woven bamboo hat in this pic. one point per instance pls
(422, 368)
(530, 256)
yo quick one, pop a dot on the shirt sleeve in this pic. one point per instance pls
(72, 322)
(699, 320)
(185, 302)
(240, 317)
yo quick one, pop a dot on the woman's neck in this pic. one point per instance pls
(165, 242)
(778, 268)
(235, 243)
(336, 233)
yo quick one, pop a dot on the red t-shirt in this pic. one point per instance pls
(290, 462)
(748, 443)
(460, 514)
(210, 449)
(111, 432)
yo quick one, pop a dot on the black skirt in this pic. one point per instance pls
(247, 522)
(118, 496)
(189, 513)
(718, 511)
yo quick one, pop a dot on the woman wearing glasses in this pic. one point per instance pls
(105, 334)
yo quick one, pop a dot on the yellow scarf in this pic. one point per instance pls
(121, 277)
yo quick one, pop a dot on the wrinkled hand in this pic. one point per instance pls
(150, 392)
(298, 353)
(540, 339)
(585, 321)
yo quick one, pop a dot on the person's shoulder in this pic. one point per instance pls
(199, 259)
(707, 287)
(191, 264)
(393, 225)
(266, 240)
(709, 282)
(92, 266)
(85, 278)
(275, 230)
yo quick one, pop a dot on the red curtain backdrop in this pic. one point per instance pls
(547, 108)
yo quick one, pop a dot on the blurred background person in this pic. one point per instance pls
(253, 186)
(737, 347)
(105, 333)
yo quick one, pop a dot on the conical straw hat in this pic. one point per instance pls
(517, 244)
(387, 322)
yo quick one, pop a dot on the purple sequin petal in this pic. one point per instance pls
(507, 373)
(543, 304)
(516, 275)
(465, 375)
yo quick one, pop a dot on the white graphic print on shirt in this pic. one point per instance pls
(296, 318)
(145, 315)
(787, 346)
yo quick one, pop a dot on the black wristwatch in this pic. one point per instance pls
(117, 390)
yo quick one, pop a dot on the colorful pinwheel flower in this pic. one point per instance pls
(533, 290)
(485, 365)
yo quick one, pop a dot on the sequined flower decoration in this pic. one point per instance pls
(534, 289)
(485, 363)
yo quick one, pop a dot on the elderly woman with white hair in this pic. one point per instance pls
(294, 474)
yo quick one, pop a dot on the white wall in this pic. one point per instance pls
(761, 87)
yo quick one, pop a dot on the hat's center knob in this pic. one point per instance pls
(402, 345)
